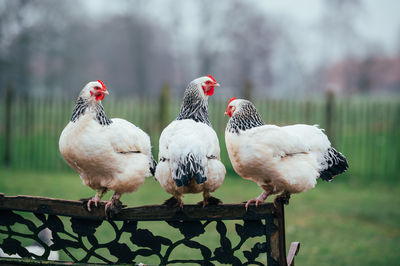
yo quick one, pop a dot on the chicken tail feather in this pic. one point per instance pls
(336, 164)
(153, 165)
(188, 168)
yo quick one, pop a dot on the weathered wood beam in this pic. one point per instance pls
(78, 209)
(293, 251)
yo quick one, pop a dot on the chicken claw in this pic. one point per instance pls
(173, 202)
(260, 199)
(282, 198)
(113, 206)
(210, 201)
(96, 199)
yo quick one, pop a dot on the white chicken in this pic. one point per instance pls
(189, 152)
(108, 154)
(283, 160)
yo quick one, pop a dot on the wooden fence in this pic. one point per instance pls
(366, 130)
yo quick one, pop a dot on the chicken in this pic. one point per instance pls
(189, 152)
(108, 154)
(283, 160)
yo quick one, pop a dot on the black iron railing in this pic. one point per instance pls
(253, 237)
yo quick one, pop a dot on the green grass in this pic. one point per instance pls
(346, 222)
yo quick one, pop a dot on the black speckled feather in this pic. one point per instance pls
(336, 162)
(82, 105)
(194, 106)
(245, 118)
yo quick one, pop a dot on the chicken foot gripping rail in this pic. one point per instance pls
(80, 236)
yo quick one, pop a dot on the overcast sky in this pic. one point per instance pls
(380, 20)
(378, 23)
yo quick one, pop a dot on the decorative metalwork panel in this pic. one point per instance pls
(247, 242)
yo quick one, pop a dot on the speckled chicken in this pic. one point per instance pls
(189, 155)
(108, 154)
(283, 160)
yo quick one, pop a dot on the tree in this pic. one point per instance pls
(250, 38)
(338, 31)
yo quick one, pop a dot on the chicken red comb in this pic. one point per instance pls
(231, 100)
(211, 77)
(102, 84)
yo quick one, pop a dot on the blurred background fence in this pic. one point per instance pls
(288, 57)
(284, 55)
(365, 129)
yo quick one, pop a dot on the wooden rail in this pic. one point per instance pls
(73, 208)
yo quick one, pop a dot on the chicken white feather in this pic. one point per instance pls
(285, 159)
(108, 154)
(189, 152)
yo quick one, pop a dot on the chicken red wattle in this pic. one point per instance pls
(108, 154)
(283, 160)
(189, 152)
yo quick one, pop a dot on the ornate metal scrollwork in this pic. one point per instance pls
(83, 237)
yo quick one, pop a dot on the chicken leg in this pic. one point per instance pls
(209, 200)
(113, 206)
(174, 201)
(96, 199)
(282, 198)
(260, 199)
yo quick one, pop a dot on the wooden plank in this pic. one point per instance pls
(281, 229)
(293, 251)
(73, 208)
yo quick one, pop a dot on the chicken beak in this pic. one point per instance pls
(226, 113)
(106, 92)
(216, 84)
